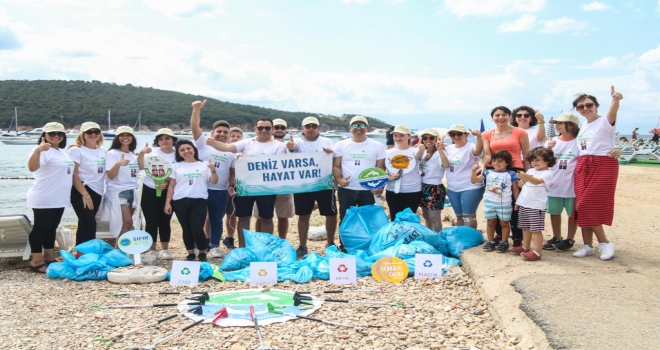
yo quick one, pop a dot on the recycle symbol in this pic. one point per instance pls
(342, 268)
(428, 263)
(262, 273)
(185, 271)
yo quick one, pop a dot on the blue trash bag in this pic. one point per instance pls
(302, 274)
(91, 273)
(238, 275)
(236, 259)
(362, 266)
(404, 229)
(359, 225)
(460, 238)
(318, 264)
(96, 246)
(116, 258)
(205, 272)
(405, 251)
(269, 248)
(60, 270)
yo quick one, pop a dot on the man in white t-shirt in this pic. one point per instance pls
(311, 141)
(351, 157)
(224, 165)
(283, 202)
(262, 144)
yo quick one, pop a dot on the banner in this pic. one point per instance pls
(283, 173)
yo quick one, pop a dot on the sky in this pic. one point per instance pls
(420, 63)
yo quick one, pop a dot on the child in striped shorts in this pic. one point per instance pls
(531, 203)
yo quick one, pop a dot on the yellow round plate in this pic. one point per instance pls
(391, 270)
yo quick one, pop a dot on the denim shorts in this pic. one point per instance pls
(466, 202)
(126, 198)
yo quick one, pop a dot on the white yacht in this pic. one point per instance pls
(333, 134)
(377, 133)
(35, 132)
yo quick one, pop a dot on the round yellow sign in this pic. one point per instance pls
(400, 161)
(392, 270)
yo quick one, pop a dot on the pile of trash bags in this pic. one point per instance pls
(367, 235)
(98, 258)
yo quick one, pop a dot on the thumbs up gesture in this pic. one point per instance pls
(211, 167)
(122, 161)
(198, 105)
(539, 117)
(290, 144)
(146, 149)
(616, 95)
(43, 145)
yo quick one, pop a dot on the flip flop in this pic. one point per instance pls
(38, 268)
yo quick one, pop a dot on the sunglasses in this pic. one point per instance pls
(586, 105)
(311, 126)
(262, 128)
(361, 126)
(55, 134)
(520, 115)
(279, 127)
(454, 134)
(93, 131)
(430, 138)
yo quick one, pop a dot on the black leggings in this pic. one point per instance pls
(86, 218)
(191, 213)
(400, 201)
(44, 229)
(153, 208)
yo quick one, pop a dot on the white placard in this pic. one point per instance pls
(135, 242)
(342, 271)
(185, 273)
(263, 273)
(428, 266)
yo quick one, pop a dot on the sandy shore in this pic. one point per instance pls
(504, 302)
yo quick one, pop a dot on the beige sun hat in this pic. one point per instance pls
(358, 118)
(279, 121)
(124, 130)
(458, 127)
(310, 120)
(89, 125)
(401, 129)
(54, 126)
(429, 131)
(165, 131)
(566, 117)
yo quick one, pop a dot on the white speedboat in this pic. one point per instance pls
(19, 140)
(36, 132)
(333, 134)
(377, 133)
(72, 133)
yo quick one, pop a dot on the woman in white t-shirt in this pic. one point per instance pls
(409, 194)
(432, 164)
(88, 179)
(122, 170)
(464, 196)
(157, 222)
(187, 195)
(532, 122)
(49, 194)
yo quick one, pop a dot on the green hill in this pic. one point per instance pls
(42, 101)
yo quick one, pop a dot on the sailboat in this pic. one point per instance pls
(110, 132)
(16, 138)
(138, 125)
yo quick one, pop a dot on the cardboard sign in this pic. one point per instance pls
(185, 273)
(135, 242)
(428, 266)
(390, 270)
(263, 273)
(342, 271)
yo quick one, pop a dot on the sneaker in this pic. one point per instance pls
(201, 257)
(190, 257)
(502, 247)
(215, 253)
(498, 239)
(165, 255)
(489, 246)
(229, 242)
(549, 245)
(196, 251)
(583, 251)
(564, 244)
(301, 252)
(606, 250)
(517, 250)
(517, 242)
(530, 256)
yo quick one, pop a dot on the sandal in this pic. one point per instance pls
(38, 268)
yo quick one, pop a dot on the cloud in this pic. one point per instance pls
(563, 24)
(189, 8)
(463, 8)
(522, 24)
(596, 6)
(9, 40)
(356, 1)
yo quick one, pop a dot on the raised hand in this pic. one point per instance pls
(211, 167)
(539, 117)
(146, 149)
(616, 95)
(476, 133)
(551, 143)
(123, 161)
(290, 144)
(198, 105)
(475, 167)
(43, 146)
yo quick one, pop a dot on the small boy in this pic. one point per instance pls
(500, 183)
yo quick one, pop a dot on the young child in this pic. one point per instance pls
(497, 199)
(531, 203)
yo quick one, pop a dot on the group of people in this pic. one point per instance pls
(523, 175)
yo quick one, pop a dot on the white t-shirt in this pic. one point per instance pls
(498, 185)
(536, 196)
(156, 152)
(566, 153)
(531, 134)
(459, 173)
(305, 146)
(596, 138)
(431, 171)
(356, 157)
(252, 147)
(192, 180)
(127, 176)
(91, 166)
(410, 182)
(52, 181)
(221, 160)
